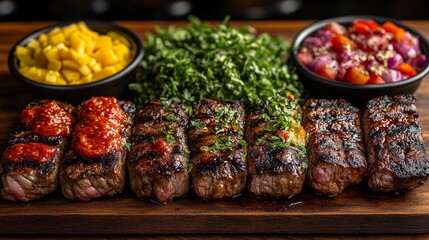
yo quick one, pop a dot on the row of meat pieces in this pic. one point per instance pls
(219, 151)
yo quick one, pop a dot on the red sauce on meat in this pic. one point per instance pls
(96, 136)
(38, 152)
(161, 147)
(103, 106)
(48, 120)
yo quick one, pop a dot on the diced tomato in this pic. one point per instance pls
(371, 24)
(161, 147)
(305, 57)
(398, 32)
(406, 69)
(339, 41)
(336, 28)
(283, 134)
(375, 79)
(361, 28)
(356, 76)
(327, 72)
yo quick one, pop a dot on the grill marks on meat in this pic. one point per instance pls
(218, 148)
(396, 154)
(95, 164)
(337, 158)
(277, 162)
(158, 160)
(30, 164)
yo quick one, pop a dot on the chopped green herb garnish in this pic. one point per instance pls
(128, 146)
(171, 117)
(304, 165)
(223, 144)
(197, 124)
(277, 142)
(169, 137)
(198, 61)
(243, 143)
(166, 104)
(258, 141)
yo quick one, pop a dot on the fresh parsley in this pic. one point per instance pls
(197, 124)
(186, 64)
(172, 117)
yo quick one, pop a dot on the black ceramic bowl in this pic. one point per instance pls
(115, 85)
(320, 87)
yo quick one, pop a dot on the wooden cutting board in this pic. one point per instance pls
(355, 211)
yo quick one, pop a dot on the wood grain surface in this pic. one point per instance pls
(355, 211)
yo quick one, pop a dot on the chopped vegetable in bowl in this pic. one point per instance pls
(363, 53)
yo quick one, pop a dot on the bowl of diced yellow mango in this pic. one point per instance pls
(74, 61)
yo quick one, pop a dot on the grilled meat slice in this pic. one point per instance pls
(396, 154)
(95, 164)
(159, 156)
(337, 155)
(277, 160)
(218, 148)
(30, 164)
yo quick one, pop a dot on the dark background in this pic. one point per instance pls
(20, 10)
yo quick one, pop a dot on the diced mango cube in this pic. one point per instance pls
(122, 51)
(105, 72)
(65, 54)
(83, 59)
(32, 74)
(103, 42)
(119, 37)
(52, 54)
(23, 51)
(70, 75)
(51, 77)
(54, 31)
(84, 70)
(61, 81)
(70, 64)
(89, 47)
(87, 78)
(77, 43)
(43, 39)
(54, 65)
(33, 44)
(70, 29)
(41, 73)
(54, 39)
(106, 58)
(82, 26)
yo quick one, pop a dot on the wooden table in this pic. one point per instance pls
(356, 211)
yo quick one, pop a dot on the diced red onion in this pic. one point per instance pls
(320, 61)
(392, 76)
(324, 35)
(406, 51)
(420, 61)
(312, 42)
(394, 61)
(376, 43)
(408, 37)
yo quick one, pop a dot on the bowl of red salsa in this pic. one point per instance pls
(360, 57)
